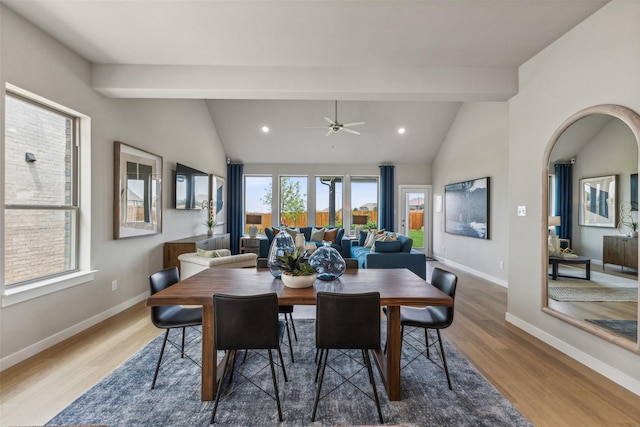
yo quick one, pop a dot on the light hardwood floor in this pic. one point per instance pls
(546, 386)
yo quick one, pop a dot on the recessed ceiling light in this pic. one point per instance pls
(265, 129)
(401, 131)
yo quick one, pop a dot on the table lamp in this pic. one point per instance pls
(359, 221)
(554, 240)
(252, 220)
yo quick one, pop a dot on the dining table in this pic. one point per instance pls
(397, 287)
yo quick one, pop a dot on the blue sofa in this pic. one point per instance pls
(389, 254)
(265, 242)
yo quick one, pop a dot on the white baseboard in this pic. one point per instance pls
(600, 367)
(36, 348)
(480, 274)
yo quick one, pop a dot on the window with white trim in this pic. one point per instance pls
(41, 211)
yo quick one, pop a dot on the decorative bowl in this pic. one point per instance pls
(298, 281)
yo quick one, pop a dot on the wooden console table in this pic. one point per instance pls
(620, 250)
(176, 248)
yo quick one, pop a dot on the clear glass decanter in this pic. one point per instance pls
(281, 242)
(328, 261)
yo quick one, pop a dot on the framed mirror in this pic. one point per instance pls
(590, 275)
(137, 192)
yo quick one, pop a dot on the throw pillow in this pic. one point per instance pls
(386, 246)
(317, 235)
(374, 238)
(330, 235)
(207, 254)
(362, 238)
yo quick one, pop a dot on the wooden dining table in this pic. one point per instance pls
(396, 287)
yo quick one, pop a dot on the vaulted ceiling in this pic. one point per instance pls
(282, 64)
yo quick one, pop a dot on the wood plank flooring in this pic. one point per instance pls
(546, 386)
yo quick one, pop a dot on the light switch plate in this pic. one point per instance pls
(522, 211)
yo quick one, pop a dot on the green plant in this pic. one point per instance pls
(294, 264)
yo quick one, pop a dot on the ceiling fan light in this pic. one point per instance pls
(401, 131)
(265, 129)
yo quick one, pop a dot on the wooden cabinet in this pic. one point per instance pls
(175, 248)
(620, 250)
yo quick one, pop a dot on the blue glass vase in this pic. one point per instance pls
(282, 242)
(328, 261)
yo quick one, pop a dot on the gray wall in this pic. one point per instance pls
(477, 146)
(595, 63)
(178, 130)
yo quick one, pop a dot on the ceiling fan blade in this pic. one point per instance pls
(331, 122)
(353, 124)
(350, 131)
(329, 133)
(315, 127)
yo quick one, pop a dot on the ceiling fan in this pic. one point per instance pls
(335, 126)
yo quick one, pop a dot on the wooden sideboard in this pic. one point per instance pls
(620, 250)
(175, 248)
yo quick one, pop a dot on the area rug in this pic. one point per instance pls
(626, 328)
(593, 293)
(597, 278)
(124, 398)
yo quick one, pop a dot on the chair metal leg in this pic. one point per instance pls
(293, 326)
(319, 363)
(284, 371)
(218, 392)
(289, 337)
(182, 348)
(444, 359)
(233, 355)
(155, 375)
(323, 362)
(275, 385)
(426, 341)
(373, 384)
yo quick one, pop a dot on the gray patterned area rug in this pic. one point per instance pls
(124, 398)
(626, 328)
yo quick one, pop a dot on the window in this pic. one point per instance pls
(364, 199)
(41, 191)
(293, 201)
(257, 202)
(328, 201)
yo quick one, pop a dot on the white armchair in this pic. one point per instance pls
(192, 263)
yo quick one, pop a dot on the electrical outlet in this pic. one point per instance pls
(442, 248)
(522, 211)
(501, 265)
(114, 285)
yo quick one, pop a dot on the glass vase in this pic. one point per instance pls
(281, 242)
(328, 261)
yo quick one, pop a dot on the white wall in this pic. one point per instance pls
(477, 146)
(178, 130)
(595, 63)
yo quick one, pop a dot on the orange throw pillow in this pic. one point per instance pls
(330, 235)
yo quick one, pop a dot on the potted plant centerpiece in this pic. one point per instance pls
(296, 271)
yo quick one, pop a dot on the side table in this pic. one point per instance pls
(250, 245)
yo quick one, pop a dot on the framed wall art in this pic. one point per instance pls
(466, 208)
(137, 195)
(598, 204)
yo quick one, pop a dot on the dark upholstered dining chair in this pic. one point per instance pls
(247, 323)
(171, 316)
(287, 310)
(432, 317)
(347, 322)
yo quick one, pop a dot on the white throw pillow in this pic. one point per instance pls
(374, 238)
(207, 254)
(317, 234)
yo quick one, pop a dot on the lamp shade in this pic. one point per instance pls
(254, 219)
(359, 219)
(554, 221)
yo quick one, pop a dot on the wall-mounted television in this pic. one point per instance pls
(192, 187)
